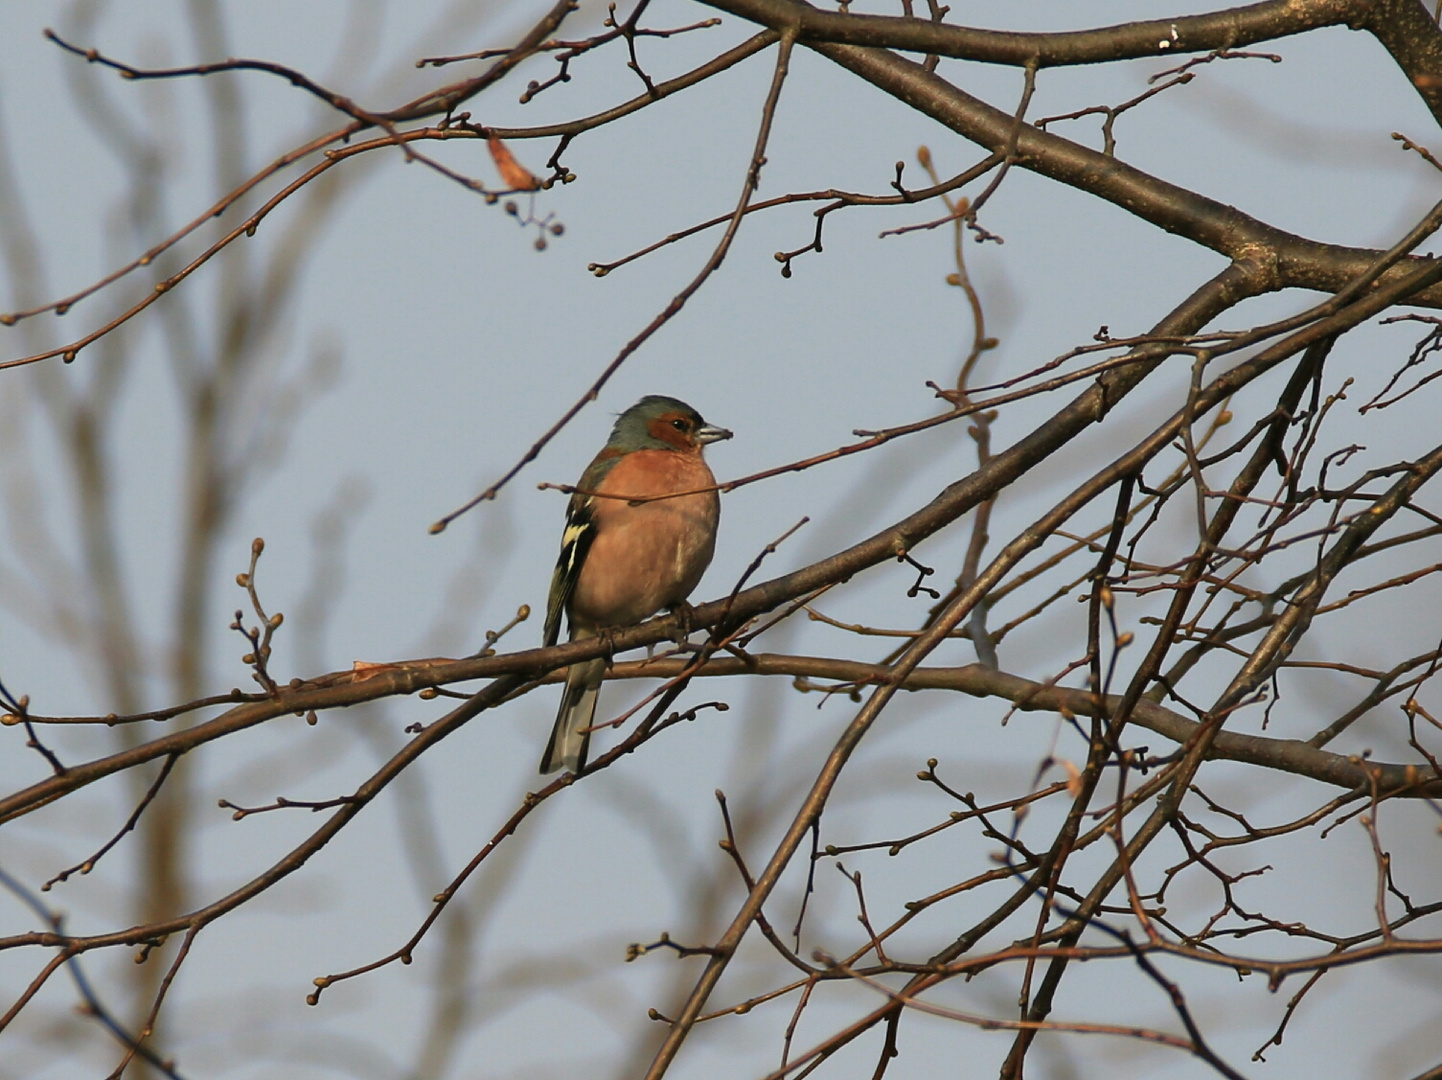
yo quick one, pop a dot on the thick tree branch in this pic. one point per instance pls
(1295, 261)
(1230, 28)
(1410, 34)
(1284, 755)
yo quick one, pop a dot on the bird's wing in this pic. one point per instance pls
(575, 542)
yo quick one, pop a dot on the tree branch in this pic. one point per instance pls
(1227, 29)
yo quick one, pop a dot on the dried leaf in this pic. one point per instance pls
(513, 174)
(361, 670)
(1073, 778)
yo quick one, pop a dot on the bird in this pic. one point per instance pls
(621, 560)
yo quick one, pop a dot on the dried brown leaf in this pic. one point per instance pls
(513, 174)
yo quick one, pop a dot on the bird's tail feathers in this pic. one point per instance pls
(571, 737)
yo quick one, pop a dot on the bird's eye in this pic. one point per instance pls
(679, 425)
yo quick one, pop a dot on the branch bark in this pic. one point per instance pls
(1231, 28)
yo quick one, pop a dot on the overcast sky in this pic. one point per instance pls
(431, 344)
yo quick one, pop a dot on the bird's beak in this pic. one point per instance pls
(709, 434)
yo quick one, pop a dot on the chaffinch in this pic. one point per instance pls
(621, 562)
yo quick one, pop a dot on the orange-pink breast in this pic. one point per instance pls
(646, 556)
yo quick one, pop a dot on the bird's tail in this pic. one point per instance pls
(571, 737)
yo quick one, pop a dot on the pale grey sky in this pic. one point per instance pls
(457, 344)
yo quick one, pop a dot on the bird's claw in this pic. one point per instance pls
(685, 616)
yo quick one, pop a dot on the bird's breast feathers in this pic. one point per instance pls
(645, 556)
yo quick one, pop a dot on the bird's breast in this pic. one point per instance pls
(646, 555)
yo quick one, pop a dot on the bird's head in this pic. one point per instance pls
(663, 423)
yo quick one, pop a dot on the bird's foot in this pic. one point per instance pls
(607, 634)
(685, 618)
